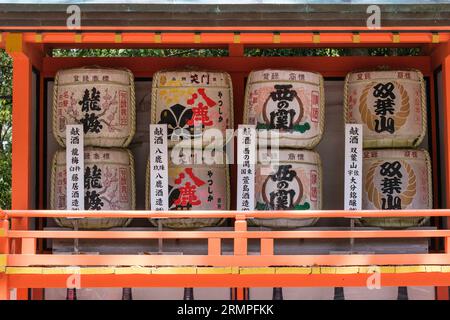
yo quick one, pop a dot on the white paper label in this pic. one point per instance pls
(75, 167)
(246, 157)
(159, 185)
(353, 166)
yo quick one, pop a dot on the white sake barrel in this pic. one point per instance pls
(288, 104)
(100, 99)
(194, 186)
(192, 102)
(108, 185)
(390, 104)
(395, 180)
(293, 183)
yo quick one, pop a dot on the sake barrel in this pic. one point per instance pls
(194, 185)
(102, 100)
(292, 183)
(396, 180)
(391, 105)
(109, 184)
(286, 104)
(193, 103)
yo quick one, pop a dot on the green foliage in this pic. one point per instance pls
(5, 180)
(5, 129)
(140, 53)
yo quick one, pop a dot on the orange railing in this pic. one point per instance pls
(19, 248)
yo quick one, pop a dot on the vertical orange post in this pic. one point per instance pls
(37, 293)
(4, 250)
(4, 291)
(446, 129)
(240, 247)
(21, 134)
(442, 292)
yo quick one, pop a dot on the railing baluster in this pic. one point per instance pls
(267, 247)
(240, 243)
(240, 247)
(447, 245)
(277, 294)
(188, 294)
(214, 247)
(127, 294)
(28, 245)
(71, 294)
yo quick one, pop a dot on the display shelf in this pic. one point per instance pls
(21, 246)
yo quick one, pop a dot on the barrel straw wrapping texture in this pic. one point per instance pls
(103, 100)
(293, 183)
(192, 186)
(395, 180)
(185, 99)
(391, 105)
(109, 185)
(292, 102)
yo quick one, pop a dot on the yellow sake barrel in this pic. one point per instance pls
(195, 186)
(292, 183)
(391, 105)
(396, 180)
(109, 184)
(100, 99)
(191, 102)
(288, 104)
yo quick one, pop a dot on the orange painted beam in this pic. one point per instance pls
(304, 234)
(225, 214)
(229, 280)
(229, 36)
(18, 260)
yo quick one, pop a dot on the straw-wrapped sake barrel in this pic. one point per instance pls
(191, 102)
(288, 104)
(390, 104)
(396, 180)
(293, 183)
(109, 184)
(102, 100)
(194, 186)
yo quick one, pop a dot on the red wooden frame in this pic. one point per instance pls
(32, 48)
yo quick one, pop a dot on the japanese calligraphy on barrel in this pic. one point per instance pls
(292, 183)
(109, 184)
(390, 104)
(396, 180)
(193, 104)
(101, 99)
(287, 103)
(194, 186)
